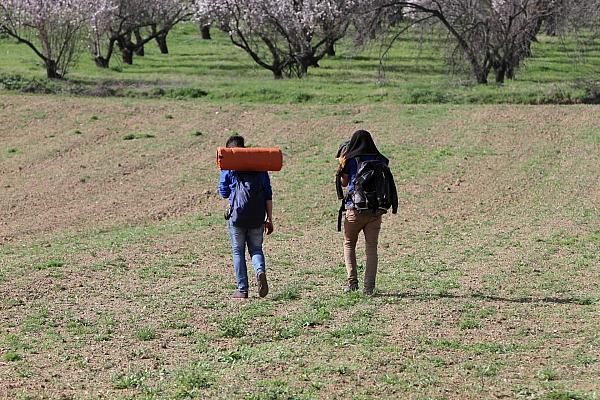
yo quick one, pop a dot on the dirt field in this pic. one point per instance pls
(115, 272)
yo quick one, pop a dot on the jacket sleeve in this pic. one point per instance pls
(394, 192)
(224, 184)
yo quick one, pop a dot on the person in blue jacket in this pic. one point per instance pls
(253, 202)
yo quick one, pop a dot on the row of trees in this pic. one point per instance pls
(55, 30)
(288, 37)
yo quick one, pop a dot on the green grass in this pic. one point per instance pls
(191, 381)
(129, 380)
(232, 327)
(49, 265)
(486, 283)
(133, 136)
(11, 356)
(146, 334)
(217, 71)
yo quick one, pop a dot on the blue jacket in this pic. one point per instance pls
(227, 185)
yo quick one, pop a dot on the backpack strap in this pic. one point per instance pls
(340, 215)
(340, 195)
(338, 185)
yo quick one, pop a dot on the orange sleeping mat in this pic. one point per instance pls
(249, 159)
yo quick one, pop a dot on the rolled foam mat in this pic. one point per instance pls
(249, 159)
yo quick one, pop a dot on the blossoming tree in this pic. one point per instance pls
(130, 24)
(53, 29)
(283, 36)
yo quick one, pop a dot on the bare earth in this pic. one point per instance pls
(115, 271)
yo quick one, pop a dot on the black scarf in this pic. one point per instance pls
(362, 144)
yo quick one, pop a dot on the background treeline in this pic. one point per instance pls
(487, 39)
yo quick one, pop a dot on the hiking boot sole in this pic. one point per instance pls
(263, 286)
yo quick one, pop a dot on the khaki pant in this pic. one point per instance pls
(370, 224)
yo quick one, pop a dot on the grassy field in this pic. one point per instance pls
(115, 268)
(217, 71)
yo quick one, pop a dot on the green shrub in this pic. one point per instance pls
(186, 93)
(146, 334)
(232, 327)
(11, 356)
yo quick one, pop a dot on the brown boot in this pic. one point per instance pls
(351, 287)
(263, 286)
(239, 295)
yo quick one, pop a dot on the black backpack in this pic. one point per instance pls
(373, 189)
(248, 209)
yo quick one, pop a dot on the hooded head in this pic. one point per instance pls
(361, 144)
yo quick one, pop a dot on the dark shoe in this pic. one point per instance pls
(240, 295)
(351, 287)
(263, 286)
(368, 291)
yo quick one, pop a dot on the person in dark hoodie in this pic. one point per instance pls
(360, 148)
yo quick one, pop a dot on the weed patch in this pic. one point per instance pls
(11, 356)
(146, 334)
(232, 327)
(129, 380)
(49, 264)
(192, 381)
(134, 136)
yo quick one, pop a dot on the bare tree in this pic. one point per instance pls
(579, 16)
(514, 26)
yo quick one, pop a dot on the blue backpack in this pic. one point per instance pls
(248, 209)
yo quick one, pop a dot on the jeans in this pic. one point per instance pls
(370, 225)
(253, 238)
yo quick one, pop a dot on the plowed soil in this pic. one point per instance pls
(115, 273)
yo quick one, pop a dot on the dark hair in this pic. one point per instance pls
(235, 141)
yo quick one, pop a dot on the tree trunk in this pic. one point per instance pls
(52, 69)
(127, 48)
(303, 69)
(127, 55)
(481, 76)
(552, 25)
(331, 50)
(277, 73)
(510, 72)
(101, 62)
(500, 73)
(139, 47)
(104, 61)
(205, 32)
(162, 43)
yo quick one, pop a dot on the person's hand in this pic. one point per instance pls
(268, 227)
(342, 163)
(227, 211)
